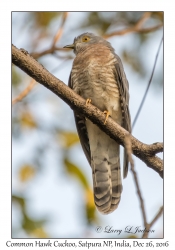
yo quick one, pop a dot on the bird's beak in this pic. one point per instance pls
(71, 46)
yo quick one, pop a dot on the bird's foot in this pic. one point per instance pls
(88, 101)
(107, 115)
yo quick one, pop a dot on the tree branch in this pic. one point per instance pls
(146, 153)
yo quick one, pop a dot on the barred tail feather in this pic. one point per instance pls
(105, 163)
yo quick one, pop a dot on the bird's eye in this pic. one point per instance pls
(85, 39)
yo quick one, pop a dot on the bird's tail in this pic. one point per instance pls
(105, 163)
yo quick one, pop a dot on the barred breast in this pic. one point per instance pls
(93, 77)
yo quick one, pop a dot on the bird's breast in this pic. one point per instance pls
(93, 77)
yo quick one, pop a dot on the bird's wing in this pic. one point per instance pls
(82, 130)
(124, 97)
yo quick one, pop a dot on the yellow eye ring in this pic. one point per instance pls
(85, 39)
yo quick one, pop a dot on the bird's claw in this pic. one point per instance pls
(88, 101)
(107, 115)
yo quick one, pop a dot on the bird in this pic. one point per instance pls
(98, 76)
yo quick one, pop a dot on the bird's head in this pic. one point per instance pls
(84, 41)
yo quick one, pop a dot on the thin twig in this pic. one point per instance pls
(132, 30)
(147, 225)
(32, 83)
(116, 33)
(142, 20)
(150, 29)
(57, 36)
(145, 234)
(128, 148)
(60, 31)
(135, 28)
(157, 216)
(149, 83)
(25, 92)
(51, 50)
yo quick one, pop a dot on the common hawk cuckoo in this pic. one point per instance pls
(98, 75)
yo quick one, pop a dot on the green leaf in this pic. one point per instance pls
(39, 233)
(19, 200)
(68, 138)
(132, 236)
(26, 172)
(29, 224)
(91, 214)
(27, 120)
(75, 171)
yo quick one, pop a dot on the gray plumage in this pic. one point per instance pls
(98, 74)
